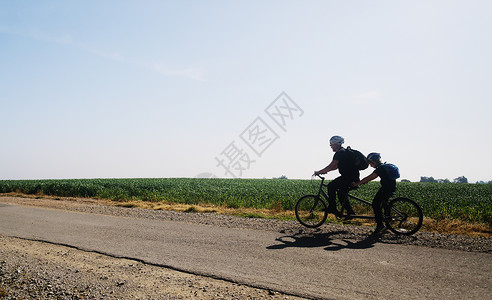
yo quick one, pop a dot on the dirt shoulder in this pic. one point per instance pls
(38, 270)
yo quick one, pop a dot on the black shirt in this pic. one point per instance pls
(346, 165)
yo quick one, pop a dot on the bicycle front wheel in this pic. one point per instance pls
(405, 216)
(311, 211)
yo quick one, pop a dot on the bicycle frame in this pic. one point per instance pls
(363, 201)
(322, 192)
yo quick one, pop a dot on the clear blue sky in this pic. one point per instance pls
(108, 89)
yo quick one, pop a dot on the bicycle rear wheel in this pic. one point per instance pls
(405, 216)
(311, 211)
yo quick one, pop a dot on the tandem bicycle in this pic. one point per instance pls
(402, 216)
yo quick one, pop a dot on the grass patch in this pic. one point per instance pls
(456, 227)
(127, 205)
(191, 209)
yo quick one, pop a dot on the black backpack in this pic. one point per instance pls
(358, 159)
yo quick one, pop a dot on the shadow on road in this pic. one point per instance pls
(321, 239)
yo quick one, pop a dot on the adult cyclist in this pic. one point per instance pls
(344, 162)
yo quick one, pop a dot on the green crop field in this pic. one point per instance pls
(466, 202)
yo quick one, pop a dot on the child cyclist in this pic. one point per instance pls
(388, 174)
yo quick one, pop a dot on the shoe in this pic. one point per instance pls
(349, 214)
(333, 210)
(379, 230)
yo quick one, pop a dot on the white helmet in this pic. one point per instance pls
(336, 140)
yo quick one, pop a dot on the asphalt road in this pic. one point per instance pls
(301, 265)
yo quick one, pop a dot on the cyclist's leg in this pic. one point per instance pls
(377, 203)
(343, 198)
(345, 185)
(333, 186)
(380, 201)
(385, 206)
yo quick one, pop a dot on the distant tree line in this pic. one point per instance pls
(483, 182)
(461, 179)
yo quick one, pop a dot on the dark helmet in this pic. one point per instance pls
(374, 157)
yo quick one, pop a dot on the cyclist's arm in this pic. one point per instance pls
(366, 179)
(332, 166)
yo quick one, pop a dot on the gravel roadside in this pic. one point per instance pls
(37, 270)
